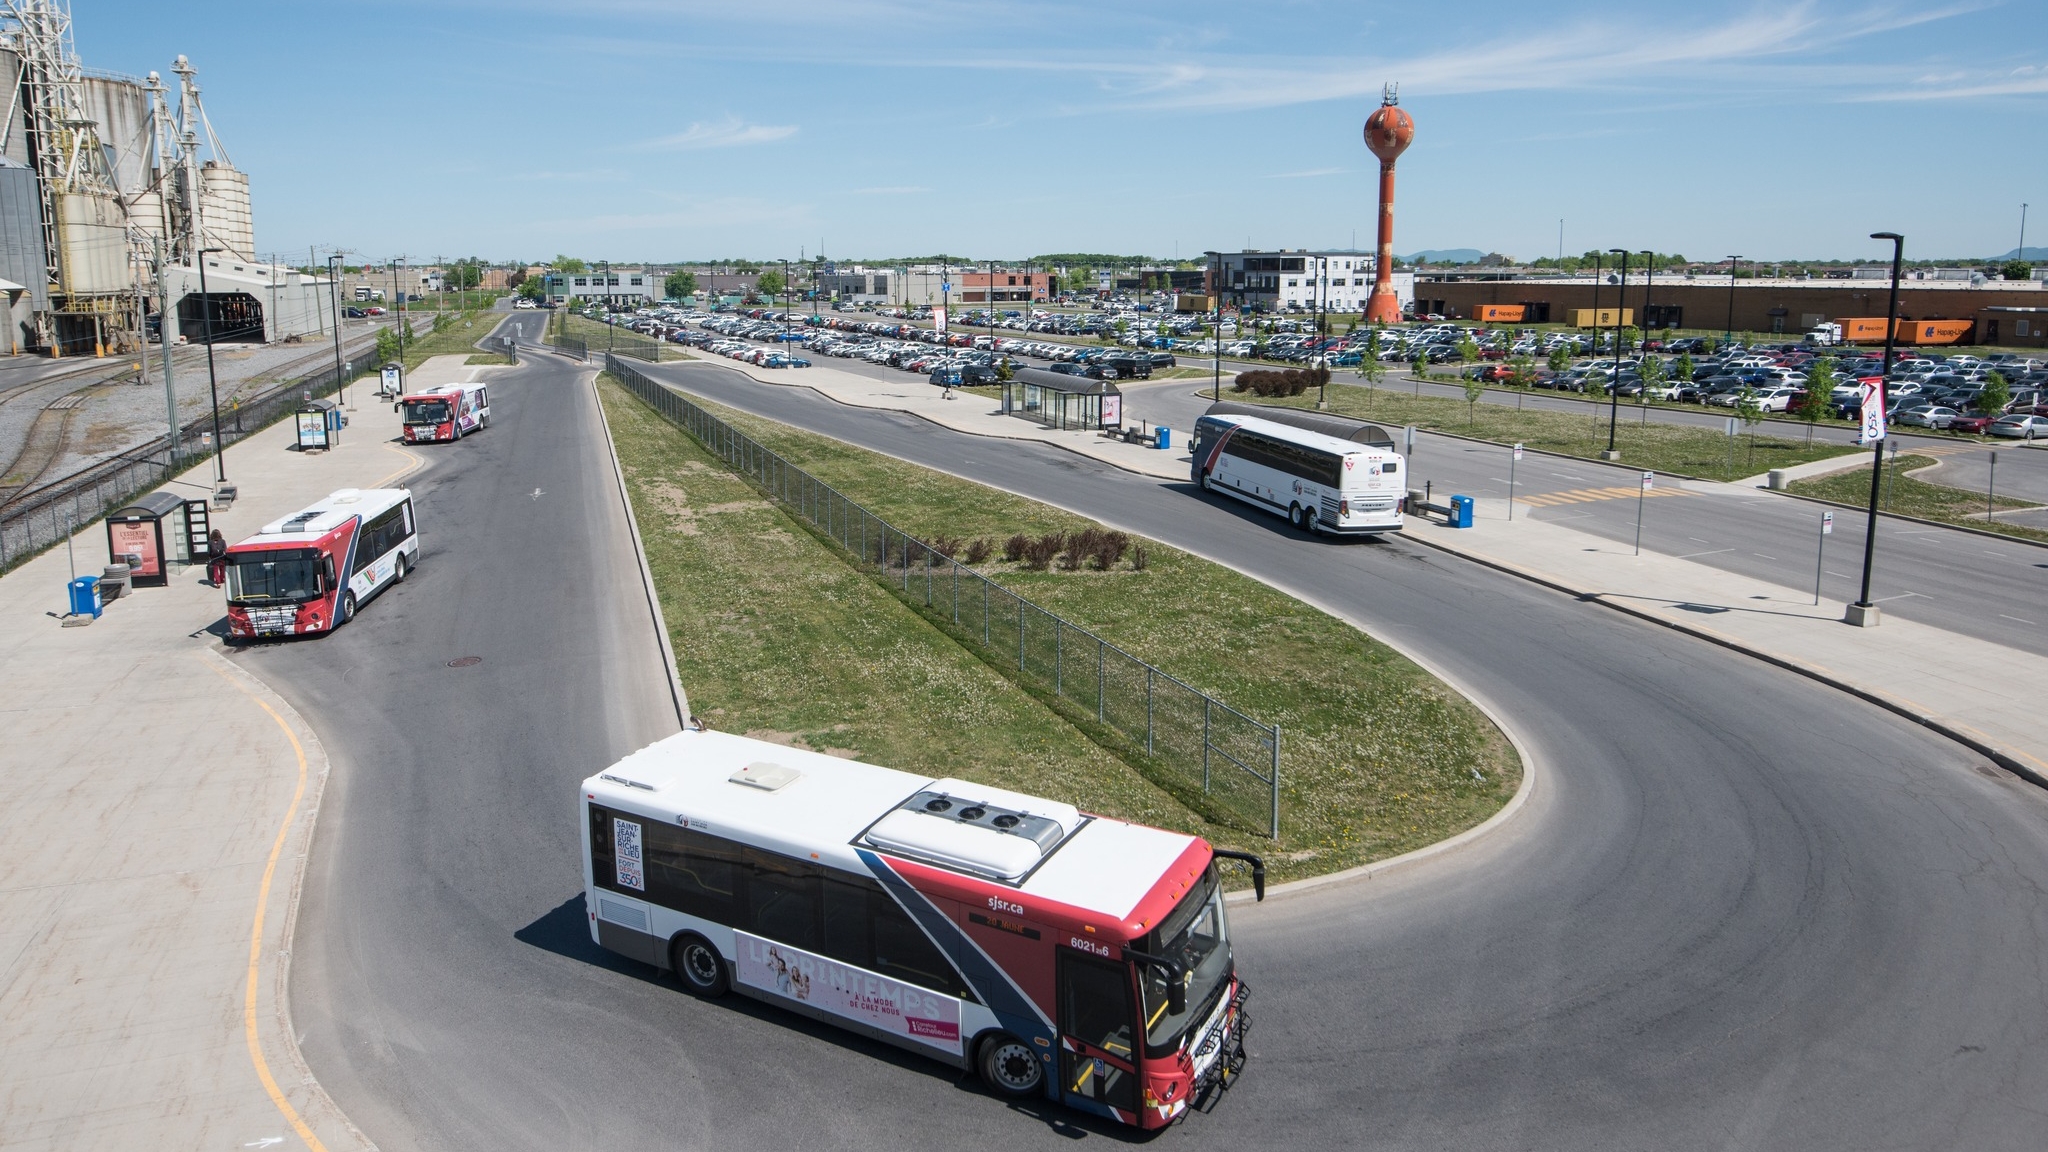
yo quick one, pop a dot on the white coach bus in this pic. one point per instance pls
(1319, 482)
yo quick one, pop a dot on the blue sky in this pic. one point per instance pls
(672, 129)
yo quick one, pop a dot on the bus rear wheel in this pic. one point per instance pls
(398, 570)
(1009, 1067)
(699, 966)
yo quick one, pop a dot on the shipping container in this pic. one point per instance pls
(1935, 331)
(1194, 302)
(1858, 330)
(1587, 317)
(1500, 313)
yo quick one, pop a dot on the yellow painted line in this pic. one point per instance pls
(256, 931)
(405, 452)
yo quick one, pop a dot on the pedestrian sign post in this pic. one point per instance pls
(1827, 529)
(1512, 461)
(1648, 479)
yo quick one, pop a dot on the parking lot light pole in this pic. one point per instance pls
(1216, 325)
(220, 467)
(1614, 385)
(605, 278)
(1728, 336)
(334, 285)
(1863, 613)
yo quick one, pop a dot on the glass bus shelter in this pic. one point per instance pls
(1060, 401)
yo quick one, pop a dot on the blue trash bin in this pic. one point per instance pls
(1165, 437)
(85, 596)
(1461, 512)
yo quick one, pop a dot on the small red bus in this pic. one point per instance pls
(308, 572)
(449, 412)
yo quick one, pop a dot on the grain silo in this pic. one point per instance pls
(224, 209)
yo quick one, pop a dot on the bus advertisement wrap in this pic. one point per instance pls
(854, 993)
(626, 835)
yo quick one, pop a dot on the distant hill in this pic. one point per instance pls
(1448, 256)
(2030, 255)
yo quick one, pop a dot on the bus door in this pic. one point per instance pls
(1098, 1061)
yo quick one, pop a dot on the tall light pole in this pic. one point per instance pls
(2021, 254)
(605, 278)
(1863, 613)
(1614, 385)
(334, 287)
(220, 466)
(163, 336)
(1649, 278)
(1728, 335)
(1595, 348)
(1216, 325)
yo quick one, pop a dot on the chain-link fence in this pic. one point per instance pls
(1212, 756)
(43, 516)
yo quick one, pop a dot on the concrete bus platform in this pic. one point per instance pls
(1974, 690)
(156, 807)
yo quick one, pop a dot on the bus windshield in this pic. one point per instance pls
(426, 411)
(274, 577)
(1196, 936)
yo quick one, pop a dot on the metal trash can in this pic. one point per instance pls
(85, 596)
(1165, 439)
(117, 580)
(1461, 512)
(1777, 480)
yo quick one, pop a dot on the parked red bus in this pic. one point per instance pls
(308, 572)
(449, 412)
(1061, 956)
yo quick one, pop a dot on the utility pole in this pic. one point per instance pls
(163, 335)
(334, 286)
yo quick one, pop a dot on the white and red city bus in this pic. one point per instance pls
(1061, 955)
(449, 412)
(308, 572)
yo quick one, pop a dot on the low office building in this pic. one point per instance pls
(626, 287)
(1001, 286)
(859, 285)
(1337, 280)
(1780, 306)
(2020, 327)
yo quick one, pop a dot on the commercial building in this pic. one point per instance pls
(1001, 286)
(1782, 306)
(627, 287)
(857, 285)
(1298, 279)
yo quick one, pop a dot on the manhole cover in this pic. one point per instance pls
(465, 661)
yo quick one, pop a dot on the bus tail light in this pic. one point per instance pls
(1343, 507)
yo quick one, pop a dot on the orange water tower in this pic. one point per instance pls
(1388, 132)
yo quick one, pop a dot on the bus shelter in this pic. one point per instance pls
(1060, 401)
(156, 531)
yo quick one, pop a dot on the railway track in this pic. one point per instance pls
(49, 437)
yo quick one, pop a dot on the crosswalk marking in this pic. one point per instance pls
(1588, 495)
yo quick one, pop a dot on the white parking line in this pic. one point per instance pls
(1569, 476)
(2003, 616)
(1715, 552)
(1697, 540)
(1901, 596)
(1838, 575)
(1987, 551)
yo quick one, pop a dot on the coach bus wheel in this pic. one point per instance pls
(699, 966)
(1202, 482)
(1010, 1067)
(348, 608)
(1308, 521)
(1294, 516)
(398, 570)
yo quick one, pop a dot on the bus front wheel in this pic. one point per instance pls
(699, 966)
(348, 609)
(1009, 1067)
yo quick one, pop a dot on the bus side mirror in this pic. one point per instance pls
(1258, 868)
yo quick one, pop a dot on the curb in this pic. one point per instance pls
(2006, 760)
(1531, 765)
(668, 655)
(1900, 516)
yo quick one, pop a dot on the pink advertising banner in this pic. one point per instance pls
(854, 993)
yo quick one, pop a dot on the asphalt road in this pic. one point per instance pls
(1740, 911)
(1992, 589)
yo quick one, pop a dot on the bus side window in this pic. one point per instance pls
(692, 873)
(600, 844)
(848, 937)
(904, 952)
(782, 897)
(407, 507)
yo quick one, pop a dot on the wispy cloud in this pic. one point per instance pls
(890, 190)
(1304, 174)
(2031, 80)
(731, 132)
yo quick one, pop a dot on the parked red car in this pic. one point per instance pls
(1971, 425)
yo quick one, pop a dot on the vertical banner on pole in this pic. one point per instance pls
(1871, 405)
(1827, 529)
(1512, 461)
(1649, 478)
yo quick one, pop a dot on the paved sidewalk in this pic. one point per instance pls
(1980, 692)
(156, 805)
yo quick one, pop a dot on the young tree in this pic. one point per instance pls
(1996, 395)
(1468, 349)
(1370, 366)
(387, 345)
(1653, 380)
(531, 288)
(679, 284)
(1560, 357)
(1523, 369)
(1751, 413)
(570, 264)
(2017, 270)
(1418, 364)
(1820, 388)
(1682, 368)
(770, 283)
(1475, 387)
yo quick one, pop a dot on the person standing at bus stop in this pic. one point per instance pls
(216, 558)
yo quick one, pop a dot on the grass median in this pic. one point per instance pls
(1689, 451)
(1907, 496)
(1377, 756)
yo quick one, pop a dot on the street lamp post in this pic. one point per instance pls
(785, 307)
(1863, 613)
(334, 289)
(605, 278)
(1216, 324)
(1614, 385)
(220, 466)
(1728, 336)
